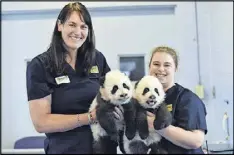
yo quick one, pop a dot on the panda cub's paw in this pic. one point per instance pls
(163, 117)
(144, 134)
(130, 133)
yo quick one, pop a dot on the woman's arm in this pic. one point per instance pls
(189, 128)
(45, 122)
(183, 138)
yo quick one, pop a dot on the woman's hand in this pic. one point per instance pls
(119, 113)
(150, 119)
(163, 117)
(93, 113)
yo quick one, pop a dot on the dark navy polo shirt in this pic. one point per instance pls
(67, 98)
(189, 113)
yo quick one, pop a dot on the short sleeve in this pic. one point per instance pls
(190, 112)
(37, 85)
(103, 64)
(106, 67)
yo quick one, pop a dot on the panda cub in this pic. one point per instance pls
(148, 95)
(115, 90)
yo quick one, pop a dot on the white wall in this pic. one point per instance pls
(27, 38)
(121, 35)
(216, 52)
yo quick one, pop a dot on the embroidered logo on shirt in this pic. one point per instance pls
(94, 69)
(62, 79)
(169, 107)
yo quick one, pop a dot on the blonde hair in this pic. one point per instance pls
(167, 50)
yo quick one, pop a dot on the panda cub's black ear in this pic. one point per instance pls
(101, 81)
(136, 84)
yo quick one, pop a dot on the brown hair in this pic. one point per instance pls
(167, 50)
(57, 53)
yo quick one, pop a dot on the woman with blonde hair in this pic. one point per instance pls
(186, 133)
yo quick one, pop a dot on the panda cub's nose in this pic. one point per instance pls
(123, 95)
(152, 97)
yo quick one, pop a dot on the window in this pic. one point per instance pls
(133, 66)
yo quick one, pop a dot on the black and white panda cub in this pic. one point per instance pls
(148, 95)
(115, 90)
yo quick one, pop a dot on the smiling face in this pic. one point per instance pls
(163, 67)
(74, 31)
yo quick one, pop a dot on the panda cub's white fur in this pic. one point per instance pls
(97, 130)
(115, 90)
(148, 93)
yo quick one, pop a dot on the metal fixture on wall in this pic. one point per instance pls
(225, 125)
(198, 45)
(199, 88)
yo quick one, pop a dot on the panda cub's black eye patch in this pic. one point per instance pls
(125, 86)
(156, 90)
(114, 89)
(145, 91)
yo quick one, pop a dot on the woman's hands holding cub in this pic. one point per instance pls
(161, 119)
